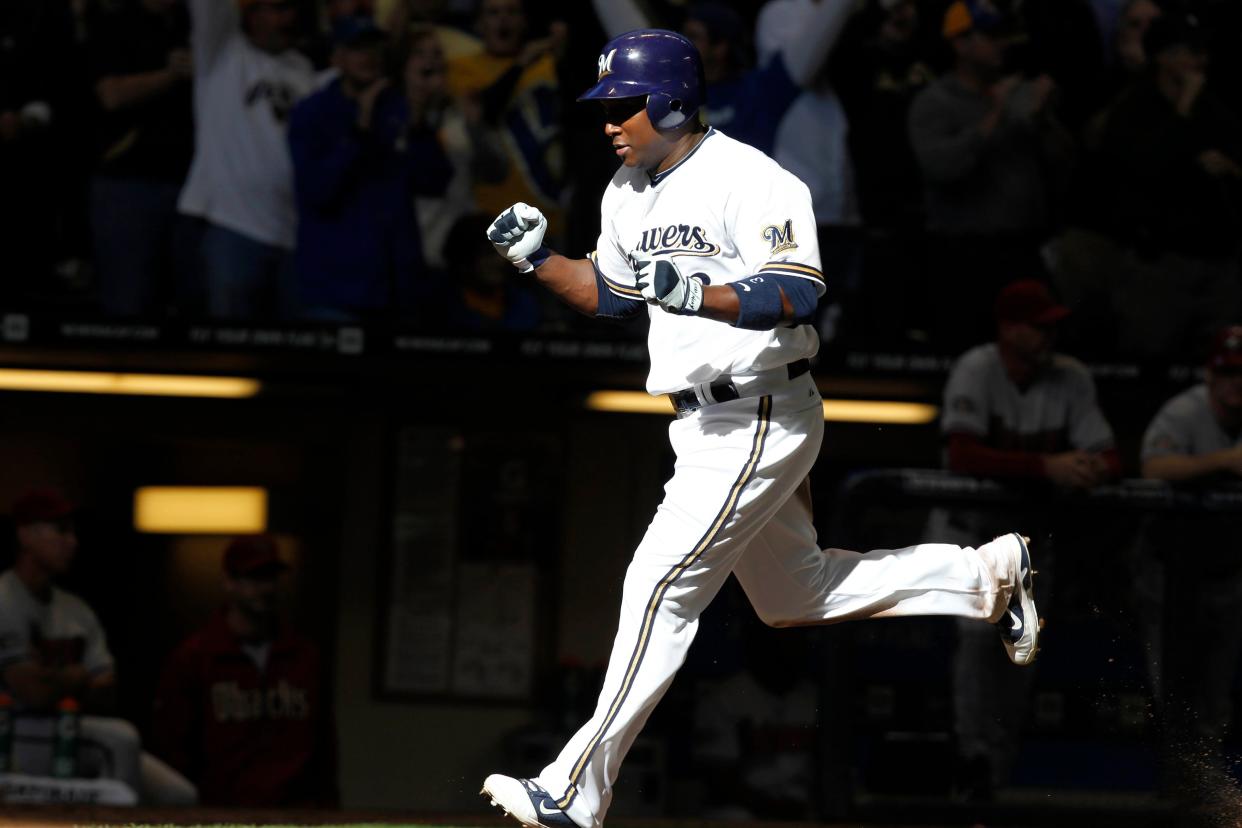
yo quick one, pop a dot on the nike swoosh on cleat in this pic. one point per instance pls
(546, 811)
(1011, 625)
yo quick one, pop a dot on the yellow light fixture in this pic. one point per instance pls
(103, 382)
(835, 411)
(628, 402)
(200, 510)
(884, 412)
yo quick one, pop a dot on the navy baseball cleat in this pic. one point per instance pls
(526, 802)
(1019, 627)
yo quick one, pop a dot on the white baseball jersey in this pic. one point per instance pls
(242, 175)
(62, 629)
(1057, 412)
(728, 212)
(1186, 424)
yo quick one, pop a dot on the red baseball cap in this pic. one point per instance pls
(252, 554)
(1029, 301)
(1227, 348)
(41, 506)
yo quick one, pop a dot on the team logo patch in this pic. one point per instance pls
(605, 64)
(781, 238)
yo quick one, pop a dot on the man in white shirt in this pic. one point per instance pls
(52, 647)
(247, 79)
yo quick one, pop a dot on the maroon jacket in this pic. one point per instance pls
(245, 737)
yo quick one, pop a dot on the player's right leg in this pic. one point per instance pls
(737, 462)
(670, 580)
(526, 801)
(791, 582)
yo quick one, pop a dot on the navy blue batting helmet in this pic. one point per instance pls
(660, 65)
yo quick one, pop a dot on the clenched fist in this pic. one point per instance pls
(517, 234)
(663, 284)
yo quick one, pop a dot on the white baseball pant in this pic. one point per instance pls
(739, 502)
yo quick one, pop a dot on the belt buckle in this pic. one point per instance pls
(685, 402)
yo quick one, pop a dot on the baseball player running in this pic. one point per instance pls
(717, 243)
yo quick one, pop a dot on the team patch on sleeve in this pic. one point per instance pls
(802, 271)
(780, 237)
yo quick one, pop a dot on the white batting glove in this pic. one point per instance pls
(517, 234)
(663, 284)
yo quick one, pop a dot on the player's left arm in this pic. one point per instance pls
(778, 294)
(775, 300)
(752, 303)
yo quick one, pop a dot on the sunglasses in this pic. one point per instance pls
(620, 110)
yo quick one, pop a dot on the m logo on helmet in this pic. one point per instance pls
(781, 238)
(605, 64)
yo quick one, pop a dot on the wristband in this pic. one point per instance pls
(536, 258)
(759, 304)
(694, 297)
(802, 296)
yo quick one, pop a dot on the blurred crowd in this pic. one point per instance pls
(338, 160)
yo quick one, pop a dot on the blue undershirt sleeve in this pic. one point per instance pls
(616, 301)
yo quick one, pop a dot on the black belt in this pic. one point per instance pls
(724, 390)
